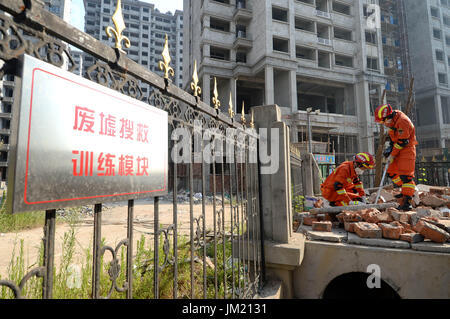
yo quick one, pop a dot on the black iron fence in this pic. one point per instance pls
(434, 173)
(233, 185)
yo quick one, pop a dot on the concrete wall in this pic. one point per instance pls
(412, 274)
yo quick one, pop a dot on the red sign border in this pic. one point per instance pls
(28, 145)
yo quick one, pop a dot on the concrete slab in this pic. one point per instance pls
(377, 242)
(335, 236)
(432, 247)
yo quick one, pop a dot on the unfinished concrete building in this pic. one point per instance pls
(395, 51)
(428, 23)
(320, 54)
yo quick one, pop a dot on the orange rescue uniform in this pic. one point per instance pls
(343, 185)
(403, 137)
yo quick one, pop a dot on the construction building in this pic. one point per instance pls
(395, 52)
(321, 54)
(428, 26)
(61, 8)
(146, 28)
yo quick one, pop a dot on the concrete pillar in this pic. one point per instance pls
(269, 88)
(233, 93)
(276, 187)
(365, 121)
(293, 91)
(206, 89)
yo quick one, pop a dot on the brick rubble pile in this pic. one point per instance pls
(429, 219)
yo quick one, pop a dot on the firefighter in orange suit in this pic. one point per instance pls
(401, 152)
(343, 187)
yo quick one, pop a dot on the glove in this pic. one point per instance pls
(387, 151)
(390, 159)
(355, 203)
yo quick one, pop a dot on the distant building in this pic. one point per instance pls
(323, 54)
(428, 23)
(146, 29)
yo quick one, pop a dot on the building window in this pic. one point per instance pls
(372, 63)
(220, 25)
(219, 53)
(342, 60)
(281, 45)
(341, 8)
(324, 59)
(445, 106)
(437, 34)
(305, 53)
(305, 25)
(241, 57)
(371, 37)
(442, 77)
(279, 14)
(434, 12)
(439, 55)
(342, 34)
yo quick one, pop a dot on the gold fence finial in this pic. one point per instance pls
(215, 99)
(119, 25)
(230, 106)
(252, 121)
(164, 65)
(194, 84)
(243, 121)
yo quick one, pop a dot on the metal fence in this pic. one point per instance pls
(28, 28)
(434, 173)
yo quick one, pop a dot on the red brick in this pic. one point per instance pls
(369, 215)
(321, 226)
(403, 217)
(391, 231)
(349, 226)
(348, 216)
(432, 232)
(308, 220)
(412, 237)
(367, 230)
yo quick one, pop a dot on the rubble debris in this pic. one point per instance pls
(368, 230)
(321, 226)
(391, 231)
(432, 232)
(428, 221)
(412, 237)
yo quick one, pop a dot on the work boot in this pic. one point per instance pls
(398, 196)
(406, 204)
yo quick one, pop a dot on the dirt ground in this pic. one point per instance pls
(114, 229)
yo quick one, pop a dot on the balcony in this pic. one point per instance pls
(243, 41)
(4, 147)
(244, 11)
(323, 14)
(324, 41)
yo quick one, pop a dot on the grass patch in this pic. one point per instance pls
(72, 281)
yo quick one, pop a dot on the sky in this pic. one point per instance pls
(77, 10)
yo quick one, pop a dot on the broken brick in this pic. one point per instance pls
(391, 231)
(367, 230)
(321, 226)
(432, 232)
(369, 215)
(403, 217)
(412, 237)
(349, 226)
(432, 200)
(308, 220)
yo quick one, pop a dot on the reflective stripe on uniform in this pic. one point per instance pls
(359, 186)
(349, 180)
(344, 204)
(398, 146)
(341, 192)
(408, 185)
(397, 180)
